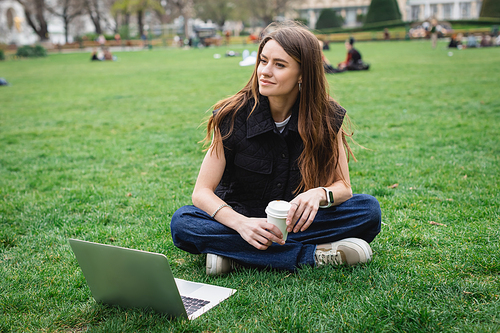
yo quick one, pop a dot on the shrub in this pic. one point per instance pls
(25, 51)
(490, 8)
(382, 11)
(329, 19)
(366, 27)
(79, 40)
(2, 55)
(28, 51)
(480, 22)
(125, 32)
(39, 51)
(92, 36)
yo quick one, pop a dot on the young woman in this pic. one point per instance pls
(279, 138)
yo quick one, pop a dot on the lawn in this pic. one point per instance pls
(107, 151)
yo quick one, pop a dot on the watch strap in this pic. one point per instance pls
(329, 198)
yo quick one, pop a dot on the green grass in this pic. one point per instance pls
(108, 151)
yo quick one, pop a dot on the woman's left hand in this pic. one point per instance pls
(304, 209)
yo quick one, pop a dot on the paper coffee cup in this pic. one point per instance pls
(277, 211)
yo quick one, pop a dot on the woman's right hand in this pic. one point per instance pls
(255, 231)
(258, 233)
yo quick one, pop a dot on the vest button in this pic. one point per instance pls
(283, 155)
(279, 185)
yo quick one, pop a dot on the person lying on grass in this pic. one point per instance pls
(280, 137)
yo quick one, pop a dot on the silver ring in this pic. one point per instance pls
(293, 203)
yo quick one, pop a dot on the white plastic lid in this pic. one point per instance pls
(278, 208)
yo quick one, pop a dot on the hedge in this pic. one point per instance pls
(28, 51)
(382, 11)
(490, 8)
(329, 19)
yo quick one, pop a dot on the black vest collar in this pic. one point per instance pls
(261, 121)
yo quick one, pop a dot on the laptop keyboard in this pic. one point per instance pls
(193, 304)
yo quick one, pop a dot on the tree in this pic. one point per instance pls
(122, 7)
(184, 8)
(490, 8)
(67, 10)
(34, 10)
(219, 11)
(268, 10)
(329, 19)
(92, 9)
(139, 7)
(97, 10)
(382, 11)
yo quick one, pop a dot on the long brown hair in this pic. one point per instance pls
(318, 112)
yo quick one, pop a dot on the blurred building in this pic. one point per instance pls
(14, 29)
(419, 10)
(351, 10)
(411, 10)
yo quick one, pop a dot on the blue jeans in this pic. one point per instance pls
(196, 232)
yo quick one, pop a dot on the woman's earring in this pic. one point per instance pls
(300, 86)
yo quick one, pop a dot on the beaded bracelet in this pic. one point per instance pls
(220, 207)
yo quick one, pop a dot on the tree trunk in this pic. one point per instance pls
(97, 24)
(98, 29)
(117, 27)
(40, 28)
(126, 23)
(97, 18)
(41, 34)
(66, 27)
(92, 7)
(66, 19)
(44, 30)
(139, 22)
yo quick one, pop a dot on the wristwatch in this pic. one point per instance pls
(329, 198)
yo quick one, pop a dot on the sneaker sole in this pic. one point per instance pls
(362, 244)
(217, 265)
(211, 264)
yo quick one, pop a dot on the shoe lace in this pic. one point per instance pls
(328, 257)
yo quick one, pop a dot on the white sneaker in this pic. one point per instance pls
(349, 251)
(218, 265)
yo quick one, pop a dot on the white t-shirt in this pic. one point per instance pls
(281, 125)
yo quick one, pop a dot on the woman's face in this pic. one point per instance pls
(278, 73)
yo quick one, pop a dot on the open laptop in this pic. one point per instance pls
(139, 279)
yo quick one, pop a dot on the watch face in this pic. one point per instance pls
(330, 196)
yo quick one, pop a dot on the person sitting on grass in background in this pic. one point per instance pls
(454, 42)
(353, 61)
(108, 55)
(279, 138)
(101, 40)
(434, 33)
(471, 41)
(485, 40)
(327, 65)
(96, 55)
(387, 35)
